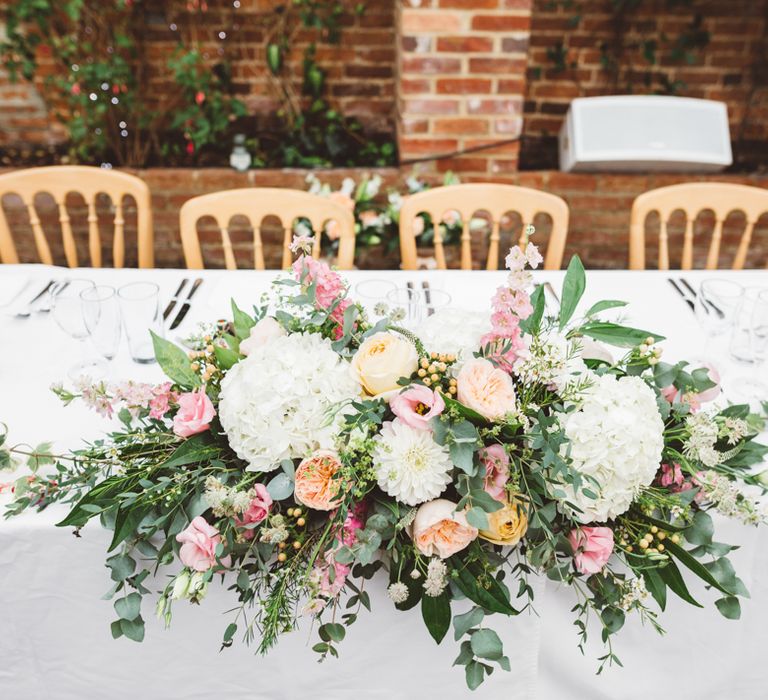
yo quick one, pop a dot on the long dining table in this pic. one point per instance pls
(55, 641)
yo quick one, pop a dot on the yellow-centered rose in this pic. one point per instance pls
(383, 359)
(508, 524)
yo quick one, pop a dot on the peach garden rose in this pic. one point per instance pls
(486, 389)
(315, 485)
(438, 530)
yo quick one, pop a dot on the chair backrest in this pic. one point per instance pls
(256, 203)
(59, 181)
(497, 200)
(692, 198)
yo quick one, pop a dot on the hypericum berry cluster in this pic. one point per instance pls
(648, 542)
(434, 371)
(297, 533)
(647, 350)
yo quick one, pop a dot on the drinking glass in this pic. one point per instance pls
(749, 342)
(101, 314)
(716, 305)
(410, 302)
(435, 300)
(67, 311)
(140, 310)
(372, 294)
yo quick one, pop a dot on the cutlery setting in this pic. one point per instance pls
(186, 305)
(43, 300)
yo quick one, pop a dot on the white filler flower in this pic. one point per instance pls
(616, 437)
(282, 401)
(410, 466)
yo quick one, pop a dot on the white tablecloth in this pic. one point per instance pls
(55, 642)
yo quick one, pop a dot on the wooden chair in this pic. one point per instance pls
(60, 180)
(692, 198)
(255, 203)
(497, 200)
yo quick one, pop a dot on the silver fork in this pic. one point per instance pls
(25, 311)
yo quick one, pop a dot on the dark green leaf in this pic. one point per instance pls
(490, 595)
(436, 613)
(332, 631)
(670, 574)
(687, 559)
(615, 334)
(701, 529)
(532, 324)
(655, 584)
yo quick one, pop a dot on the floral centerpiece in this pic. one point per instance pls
(377, 220)
(302, 449)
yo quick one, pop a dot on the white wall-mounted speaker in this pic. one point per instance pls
(633, 133)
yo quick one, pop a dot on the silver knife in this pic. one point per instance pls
(428, 297)
(683, 294)
(174, 299)
(187, 303)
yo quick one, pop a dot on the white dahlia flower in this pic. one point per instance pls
(616, 438)
(410, 466)
(283, 400)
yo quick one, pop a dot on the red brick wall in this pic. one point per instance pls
(599, 206)
(360, 70)
(461, 82)
(730, 67)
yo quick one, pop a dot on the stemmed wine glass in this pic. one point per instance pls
(67, 311)
(716, 305)
(749, 342)
(101, 314)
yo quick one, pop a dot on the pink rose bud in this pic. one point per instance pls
(592, 547)
(496, 462)
(257, 510)
(194, 415)
(198, 545)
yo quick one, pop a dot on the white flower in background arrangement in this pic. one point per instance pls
(616, 438)
(454, 332)
(284, 400)
(372, 187)
(552, 360)
(410, 466)
(347, 186)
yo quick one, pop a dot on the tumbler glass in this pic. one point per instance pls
(140, 310)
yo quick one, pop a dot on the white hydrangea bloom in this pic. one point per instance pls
(410, 466)
(454, 331)
(282, 401)
(616, 438)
